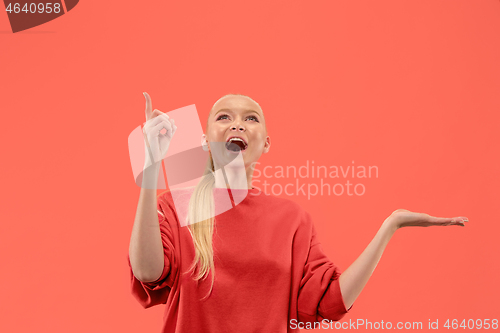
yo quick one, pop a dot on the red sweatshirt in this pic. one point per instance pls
(271, 274)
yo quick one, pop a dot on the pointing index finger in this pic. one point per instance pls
(149, 107)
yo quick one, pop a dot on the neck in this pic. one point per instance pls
(233, 177)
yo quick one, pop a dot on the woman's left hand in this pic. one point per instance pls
(404, 218)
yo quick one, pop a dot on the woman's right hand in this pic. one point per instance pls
(156, 143)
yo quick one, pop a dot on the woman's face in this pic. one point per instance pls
(238, 116)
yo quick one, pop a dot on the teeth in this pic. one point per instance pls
(245, 145)
(237, 139)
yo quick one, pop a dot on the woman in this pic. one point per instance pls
(268, 270)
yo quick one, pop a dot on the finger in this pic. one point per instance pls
(461, 220)
(149, 106)
(455, 221)
(155, 121)
(164, 124)
(157, 113)
(161, 117)
(443, 221)
(174, 127)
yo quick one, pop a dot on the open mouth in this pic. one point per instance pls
(236, 144)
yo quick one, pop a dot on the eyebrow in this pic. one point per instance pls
(229, 110)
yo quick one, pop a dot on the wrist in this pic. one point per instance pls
(391, 224)
(149, 163)
(150, 176)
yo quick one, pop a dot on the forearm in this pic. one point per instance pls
(353, 279)
(146, 247)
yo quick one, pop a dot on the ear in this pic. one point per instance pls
(267, 145)
(204, 142)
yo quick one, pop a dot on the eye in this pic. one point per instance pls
(226, 117)
(222, 115)
(254, 117)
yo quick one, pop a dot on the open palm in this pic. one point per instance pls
(405, 218)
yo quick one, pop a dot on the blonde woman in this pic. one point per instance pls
(258, 267)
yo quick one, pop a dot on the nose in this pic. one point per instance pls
(237, 127)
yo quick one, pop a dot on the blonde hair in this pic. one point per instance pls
(201, 208)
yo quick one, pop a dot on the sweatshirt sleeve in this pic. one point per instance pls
(153, 293)
(319, 295)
